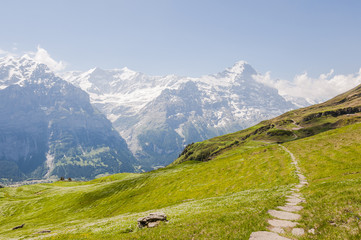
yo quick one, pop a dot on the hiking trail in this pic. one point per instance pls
(285, 217)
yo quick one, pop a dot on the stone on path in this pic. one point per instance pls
(276, 229)
(296, 195)
(300, 176)
(298, 231)
(286, 218)
(290, 208)
(284, 215)
(291, 204)
(295, 200)
(281, 223)
(263, 235)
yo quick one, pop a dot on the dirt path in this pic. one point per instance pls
(297, 126)
(285, 217)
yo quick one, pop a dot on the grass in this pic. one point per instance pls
(331, 161)
(232, 216)
(221, 188)
(226, 198)
(340, 111)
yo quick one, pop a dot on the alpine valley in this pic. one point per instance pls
(296, 176)
(159, 116)
(85, 124)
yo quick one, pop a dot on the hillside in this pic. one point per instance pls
(221, 188)
(340, 111)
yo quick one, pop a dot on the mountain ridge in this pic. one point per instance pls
(228, 194)
(222, 103)
(50, 129)
(342, 110)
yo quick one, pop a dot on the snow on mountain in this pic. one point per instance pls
(159, 115)
(22, 71)
(121, 91)
(48, 127)
(16, 70)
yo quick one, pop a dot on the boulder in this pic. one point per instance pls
(152, 220)
(153, 224)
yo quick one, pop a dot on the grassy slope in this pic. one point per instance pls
(340, 111)
(332, 163)
(225, 198)
(326, 138)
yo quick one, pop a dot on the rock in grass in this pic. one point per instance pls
(312, 231)
(20, 226)
(153, 224)
(298, 231)
(152, 220)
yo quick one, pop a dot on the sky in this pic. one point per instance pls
(282, 38)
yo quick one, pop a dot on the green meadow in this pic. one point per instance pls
(220, 188)
(226, 198)
(332, 163)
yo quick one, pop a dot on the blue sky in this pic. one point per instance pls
(189, 37)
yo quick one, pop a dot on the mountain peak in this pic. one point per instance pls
(15, 69)
(241, 70)
(96, 70)
(11, 60)
(239, 67)
(22, 70)
(26, 57)
(126, 69)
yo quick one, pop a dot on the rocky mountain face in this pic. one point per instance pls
(48, 127)
(159, 116)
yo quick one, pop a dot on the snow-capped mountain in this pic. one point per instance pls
(49, 128)
(159, 115)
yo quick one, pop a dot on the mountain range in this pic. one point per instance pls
(84, 124)
(159, 115)
(296, 176)
(48, 127)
